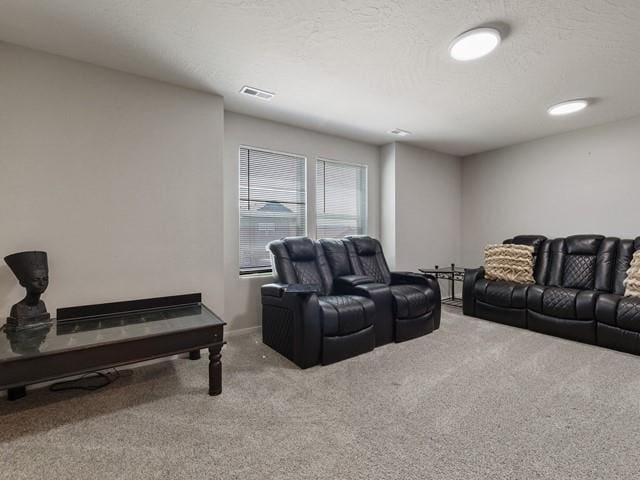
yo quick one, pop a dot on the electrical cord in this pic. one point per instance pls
(87, 382)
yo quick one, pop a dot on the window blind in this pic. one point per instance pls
(341, 199)
(272, 203)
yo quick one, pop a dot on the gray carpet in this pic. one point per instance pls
(473, 400)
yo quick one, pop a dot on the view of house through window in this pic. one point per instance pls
(272, 203)
(341, 199)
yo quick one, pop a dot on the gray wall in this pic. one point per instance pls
(428, 208)
(242, 294)
(117, 177)
(580, 182)
(420, 208)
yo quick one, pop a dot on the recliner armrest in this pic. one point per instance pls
(471, 276)
(279, 289)
(352, 281)
(607, 308)
(381, 296)
(407, 278)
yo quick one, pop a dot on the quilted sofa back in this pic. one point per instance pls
(366, 258)
(301, 260)
(540, 245)
(583, 262)
(337, 257)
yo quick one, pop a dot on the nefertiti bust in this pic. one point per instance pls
(32, 271)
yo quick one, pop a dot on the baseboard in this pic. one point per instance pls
(242, 331)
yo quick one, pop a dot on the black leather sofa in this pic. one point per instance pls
(578, 292)
(325, 307)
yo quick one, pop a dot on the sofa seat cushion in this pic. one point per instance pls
(345, 314)
(619, 311)
(629, 313)
(559, 302)
(501, 294)
(410, 301)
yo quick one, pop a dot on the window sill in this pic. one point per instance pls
(249, 275)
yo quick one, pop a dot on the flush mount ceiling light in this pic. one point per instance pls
(474, 44)
(399, 132)
(257, 93)
(570, 106)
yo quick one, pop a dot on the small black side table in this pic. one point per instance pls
(453, 274)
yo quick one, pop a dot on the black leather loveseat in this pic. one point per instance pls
(578, 292)
(334, 299)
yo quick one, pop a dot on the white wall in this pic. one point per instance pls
(117, 177)
(426, 215)
(242, 294)
(580, 182)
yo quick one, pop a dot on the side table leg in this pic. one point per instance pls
(16, 392)
(215, 371)
(194, 355)
(453, 283)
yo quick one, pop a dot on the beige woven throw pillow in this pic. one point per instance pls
(509, 262)
(632, 282)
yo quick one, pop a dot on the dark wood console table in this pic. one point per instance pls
(111, 335)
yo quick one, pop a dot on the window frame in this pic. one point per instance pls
(265, 270)
(365, 226)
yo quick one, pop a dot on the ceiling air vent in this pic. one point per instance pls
(257, 93)
(400, 132)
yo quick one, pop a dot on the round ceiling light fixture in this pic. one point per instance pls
(568, 107)
(474, 44)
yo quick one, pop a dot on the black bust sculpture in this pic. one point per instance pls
(32, 271)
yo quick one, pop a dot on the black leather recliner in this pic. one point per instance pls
(346, 282)
(578, 292)
(416, 297)
(580, 268)
(303, 318)
(617, 316)
(335, 299)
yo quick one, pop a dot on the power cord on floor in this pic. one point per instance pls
(89, 382)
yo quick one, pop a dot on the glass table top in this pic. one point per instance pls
(93, 331)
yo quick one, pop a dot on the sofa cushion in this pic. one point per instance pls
(337, 257)
(632, 282)
(301, 249)
(579, 271)
(501, 294)
(628, 313)
(509, 262)
(345, 314)
(410, 301)
(364, 245)
(366, 257)
(561, 302)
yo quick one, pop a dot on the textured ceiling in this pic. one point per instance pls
(360, 68)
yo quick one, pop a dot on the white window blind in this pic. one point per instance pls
(341, 199)
(272, 203)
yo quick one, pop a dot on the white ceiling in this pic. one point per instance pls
(359, 68)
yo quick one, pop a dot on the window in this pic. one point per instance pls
(272, 203)
(341, 194)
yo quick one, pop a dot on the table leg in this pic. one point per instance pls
(194, 355)
(16, 392)
(453, 283)
(215, 371)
